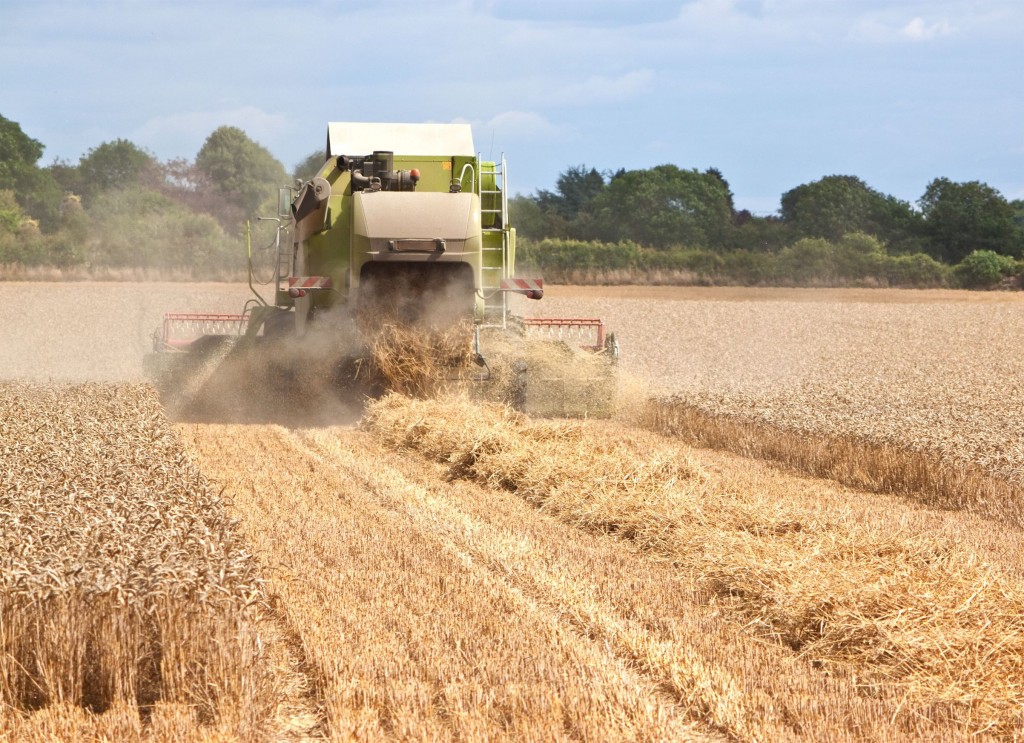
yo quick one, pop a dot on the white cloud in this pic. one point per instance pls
(919, 30)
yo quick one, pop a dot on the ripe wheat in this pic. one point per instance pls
(123, 583)
(907, 609)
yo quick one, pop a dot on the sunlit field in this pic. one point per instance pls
(802, 523)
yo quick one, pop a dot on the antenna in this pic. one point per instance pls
(490, 152)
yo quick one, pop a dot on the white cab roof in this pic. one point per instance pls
(358, 138)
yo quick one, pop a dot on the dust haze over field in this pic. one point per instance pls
(94, 331)
(451, 570)
(925, 369)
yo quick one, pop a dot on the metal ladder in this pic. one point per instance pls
(494, 242)
(284, 260)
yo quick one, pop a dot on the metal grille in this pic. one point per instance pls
(180, 328)
(587, 332)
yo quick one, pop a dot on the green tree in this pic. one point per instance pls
(715, 173)
(41, 196)
(309, 166)
(185, 183)
(568, 211)
(665, 206)
(117, 164)
(759, 234)
(11, 216)
(34, 189)
(838, 205)
(963, 217)
(66, 175)
(526, 216)
(20, 238)
(242, 170)
(19, 154)
(575, 191)
(141, 227)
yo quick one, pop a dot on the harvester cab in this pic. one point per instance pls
(403, 224)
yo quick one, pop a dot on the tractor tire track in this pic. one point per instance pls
(555, 605)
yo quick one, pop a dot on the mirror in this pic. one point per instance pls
(284, 202)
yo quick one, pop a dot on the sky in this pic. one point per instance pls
(772, 93)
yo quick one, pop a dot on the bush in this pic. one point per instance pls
(64, 250)
(859, 256)
(705, 263)
(983, 269)
(21, 240)
(139, 228)
(810, 261)
(749, 268)
(11, 215)
(917, 270)
(562, 256)
(856, 259)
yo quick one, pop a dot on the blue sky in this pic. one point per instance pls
(774, 93)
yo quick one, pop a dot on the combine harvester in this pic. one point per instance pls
(403, 223)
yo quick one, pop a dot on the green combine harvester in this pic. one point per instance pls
(403, 223)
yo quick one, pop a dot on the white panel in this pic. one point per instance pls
(411, 215)
(358, 138)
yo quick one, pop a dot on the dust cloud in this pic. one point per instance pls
(94, 331)
(410, 334)
(65, 332)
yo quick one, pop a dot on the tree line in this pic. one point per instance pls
(121, 206)
(833, 230)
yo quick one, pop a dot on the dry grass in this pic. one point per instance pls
(543, 377)
(863, 464)
(407, 634)
(127, 600)
(432, 608)
(931, 372)
(909, 611)
(661, 594)
(417, 361)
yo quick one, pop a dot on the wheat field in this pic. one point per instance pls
(125, 589)
(452, 570)
(436, 602)
(932, 371)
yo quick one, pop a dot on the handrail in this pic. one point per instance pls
(462, 175)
